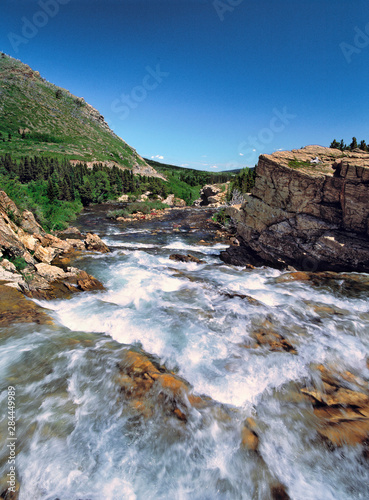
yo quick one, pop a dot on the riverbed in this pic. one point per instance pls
(76, 435)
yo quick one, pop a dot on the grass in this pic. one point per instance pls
(298, 164)
(59, 123)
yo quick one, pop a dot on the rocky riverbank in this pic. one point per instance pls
(309, 209)
(38, 264)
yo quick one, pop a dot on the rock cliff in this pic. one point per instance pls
(309, 209)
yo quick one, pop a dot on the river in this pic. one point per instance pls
(76, 437)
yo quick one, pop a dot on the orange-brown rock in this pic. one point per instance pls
(295, 276)
(94, 242)
(342, 413)
(15, 308)
(145, 384)
(185, 258)
(249, 439)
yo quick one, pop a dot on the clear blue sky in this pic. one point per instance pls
(205, 83)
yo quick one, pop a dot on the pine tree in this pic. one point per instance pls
(353, 144)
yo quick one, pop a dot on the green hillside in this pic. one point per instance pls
(39, 118)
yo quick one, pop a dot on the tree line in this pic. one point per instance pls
(55, 190)
(353, 145)
(64, 181)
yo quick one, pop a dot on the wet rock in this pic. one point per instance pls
(66, 284)
(249, 437)
(274, 341)
(94, 242)
(146, 384)
(10, 495)
(186, 258)
(266, 335)
(278, 492)
(71, 233)
(15, 308)
(241, 296)
(295, 276)
(342, 413)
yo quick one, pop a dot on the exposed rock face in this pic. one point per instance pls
(212, 195)
(37, 264)
(172, 201)
(94, 242)
(309, 209)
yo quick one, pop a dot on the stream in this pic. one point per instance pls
(76, 436)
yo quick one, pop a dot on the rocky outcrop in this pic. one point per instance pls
(213, 195)
(37, 263)
(172, 201)
(309, 209)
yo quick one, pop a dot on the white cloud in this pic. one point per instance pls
(254, 149)
(185, 165)
(214, 166)
(158, 157)
(241, 154)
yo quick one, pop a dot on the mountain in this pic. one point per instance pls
(39, 118)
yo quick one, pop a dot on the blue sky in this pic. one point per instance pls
(209, 84)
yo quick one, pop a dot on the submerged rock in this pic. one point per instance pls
(342, 412)
(186, 258)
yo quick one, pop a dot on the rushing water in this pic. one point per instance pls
(75, 439)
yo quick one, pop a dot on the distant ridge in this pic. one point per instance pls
(39, 118)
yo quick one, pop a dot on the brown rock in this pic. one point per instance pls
(45, 255)
(278, 492)
(15, 308)
(71, 233)
(94, 242)
(185, 258)
(312, 216)
(249, 439)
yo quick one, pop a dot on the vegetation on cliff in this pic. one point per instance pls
(39, 118)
